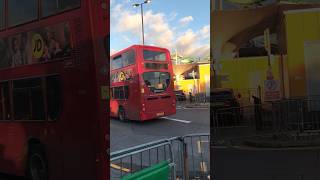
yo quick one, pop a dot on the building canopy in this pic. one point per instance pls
(232, 28)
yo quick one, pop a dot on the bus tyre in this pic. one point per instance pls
(122, 114)
(37, 164)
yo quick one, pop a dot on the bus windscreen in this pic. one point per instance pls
(157, 81)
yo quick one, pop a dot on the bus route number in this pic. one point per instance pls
(37, 46)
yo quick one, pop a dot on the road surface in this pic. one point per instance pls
(185, 121)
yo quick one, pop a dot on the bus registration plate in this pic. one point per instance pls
(160, 114)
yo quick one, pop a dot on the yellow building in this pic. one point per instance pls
(193, 78)
(296, 64)
(303, 48)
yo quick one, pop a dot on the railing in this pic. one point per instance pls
(201, 98)
(196, 156)
(187, 156)
(129, 161)
(291, 115)
(197, 99)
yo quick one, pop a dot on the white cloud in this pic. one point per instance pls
(160, 30)
(186, 20)
(189, 43)
(205, 32)
(125, 21)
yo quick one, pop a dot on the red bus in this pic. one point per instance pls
(54, 81)
(142, 83)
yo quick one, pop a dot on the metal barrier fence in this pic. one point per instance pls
(201, 98)
(132, 160)
(198, 99)
(292, 115)
(188, 157)
(196, 156)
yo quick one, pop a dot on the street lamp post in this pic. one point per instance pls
(141, 7)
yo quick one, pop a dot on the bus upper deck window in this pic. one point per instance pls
(130, 56)
(51, 7)
(22, 11)
(154, 55)
(2, 15)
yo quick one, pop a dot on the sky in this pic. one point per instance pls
(182, 25)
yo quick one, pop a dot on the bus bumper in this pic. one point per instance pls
(145, 116)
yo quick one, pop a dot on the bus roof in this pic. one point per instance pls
(137, 46)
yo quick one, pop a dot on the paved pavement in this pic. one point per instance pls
(266, 164)
(185, 121)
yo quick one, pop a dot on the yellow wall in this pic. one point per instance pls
(243, 74)
(300, 27)
(204, 81)
(186, 85)
(202, 85)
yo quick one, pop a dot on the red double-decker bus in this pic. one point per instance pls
(54, 89)
(142, 84)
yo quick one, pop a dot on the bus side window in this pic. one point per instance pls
(111, 93)
(116, 62)
(116, 92)
(28, 99)
(121, 92)
(128, 58)
(5, 106)
(53, 97)
(131, 57)
(22, 11)
(51, 7)
(2, 15)
(126, 92)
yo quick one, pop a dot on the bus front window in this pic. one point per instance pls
(157, 81)
(154, 55)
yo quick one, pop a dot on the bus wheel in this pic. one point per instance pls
(37, 164)
(122, 114)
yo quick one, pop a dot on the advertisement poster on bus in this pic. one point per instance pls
(40, 45)
(121, 76)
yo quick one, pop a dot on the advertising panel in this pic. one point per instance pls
(36, 46)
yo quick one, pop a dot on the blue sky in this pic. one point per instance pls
(174, 24)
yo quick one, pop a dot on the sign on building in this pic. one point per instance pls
(272, 90)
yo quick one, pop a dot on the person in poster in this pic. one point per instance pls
(57, 43)
(16, 58)
(23, 47)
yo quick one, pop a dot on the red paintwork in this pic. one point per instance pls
(134, 105)
(76, 144)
